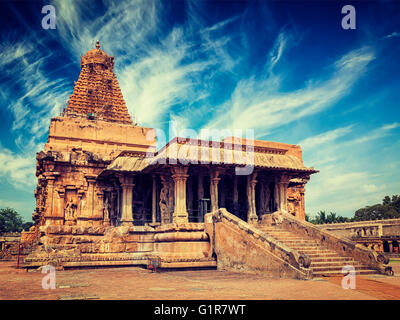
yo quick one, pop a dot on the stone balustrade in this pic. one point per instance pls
(240, 246)
(342, 245)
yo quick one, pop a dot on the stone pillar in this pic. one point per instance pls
(154, 200)
(390, 246)
(50, 199)
(98, 206)
(283, 197)
(179, 175)
(58, 203)
(127, 186)
(281, 187)
(302, 214)
(214, 173)
(88, 210)
(81, 202)
(252, 217)
(380, 231)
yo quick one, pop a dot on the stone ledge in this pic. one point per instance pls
(74, 230)
(191, 226)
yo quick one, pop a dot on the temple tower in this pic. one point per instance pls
(92, 131)
(97, 93)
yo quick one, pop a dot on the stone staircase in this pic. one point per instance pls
(324, 262)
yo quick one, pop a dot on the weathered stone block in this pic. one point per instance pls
(131, 247)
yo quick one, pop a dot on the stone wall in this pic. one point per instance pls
(9, 242)
(77, 246)
(239, 246)
(388, 227)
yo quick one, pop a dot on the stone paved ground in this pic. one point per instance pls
(137, 283)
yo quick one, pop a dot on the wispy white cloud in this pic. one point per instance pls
(392, 35)
(157, 66)
(33, 97)
(281, 44)
(17, 169)
(349, 177)
(158, 81)
(257, 102)
(377, 133)
(391, 126)
(325, 137)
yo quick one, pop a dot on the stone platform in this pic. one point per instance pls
(176, 246)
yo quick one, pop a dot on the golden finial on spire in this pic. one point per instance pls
(98, 44)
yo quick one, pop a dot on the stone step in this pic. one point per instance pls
(340, 274)
(323, 255)
(332, 259)
(288, 237)
(318, 251)
(337, 268)
(282, 233)
(271, 228)
(277, 231)
(305, 247)
(324, 262)
(301, 241)
(308, 249)
(293, 239)
(355, 264)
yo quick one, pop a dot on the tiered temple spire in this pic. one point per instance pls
(97, 94)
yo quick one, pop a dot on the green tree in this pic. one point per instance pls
(321, 217)
(389, 209)
(332, 217)
(27, 225)
(11, 221)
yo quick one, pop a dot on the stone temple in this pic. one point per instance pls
(107, 197)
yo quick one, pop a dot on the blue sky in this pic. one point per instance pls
(285, 69)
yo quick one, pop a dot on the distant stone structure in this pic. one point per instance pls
(379, 235)
(106, 196)
(9, 242)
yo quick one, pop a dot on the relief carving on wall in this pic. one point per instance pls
(294, 200)
(70, 212)
(164, 201)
